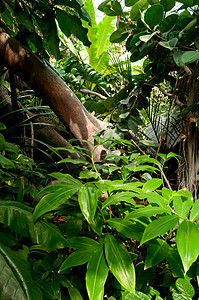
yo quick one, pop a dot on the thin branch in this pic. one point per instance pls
(85, 91)
(177, 101)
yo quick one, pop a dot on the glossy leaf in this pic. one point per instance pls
(96, 275)
(168, 23)
(170, 44)
(152, 184)
(88, 197)
(159, 227)
(74, 293)
(17, 216)
(6, 163)
(188, 243)
(83, 243)
(48, 235)
(177, 56)
(154, 15)
(137, 7)
(124, 196)
(60, 195)
(182, 208)
(15, 279)
(147, 212)
(136, 296)
(190, 56)
(167, 4)
(76, 28)
(77, 258)
(187, 2)
(194, 215)
(127, 228)
(120, 263)
(182, 290)
(156, 252)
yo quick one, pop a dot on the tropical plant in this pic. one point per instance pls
(165, 35)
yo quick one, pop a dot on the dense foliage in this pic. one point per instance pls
(115, 228)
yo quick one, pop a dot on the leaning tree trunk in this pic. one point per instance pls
(188, 172)
(49, 86)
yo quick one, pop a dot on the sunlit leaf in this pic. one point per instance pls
(77, 258)
(188, 243)
(194, 215)
(189, 57)
(120, 263)
(97, 272)
(159, 227)
(88, 197)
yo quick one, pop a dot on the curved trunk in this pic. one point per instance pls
(53, 89)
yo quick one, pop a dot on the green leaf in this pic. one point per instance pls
(48, 235)
(156, 252)
(127, 228)
(66, 178)
(17, 216)
(76, 28)
(120, 263)
(124, 196)
(154, 15)
(77, 258)
(175, 262)
(170, 44)
(188, 243)
(83, 243)
(187, 2)
(85, 174)
(22, 14)
(88, 197)
(2, 126)
(190, 56)
(49, 30)
(15, 278)
(96, 275)
(74, 293)
(185, 288)
(136, 296)
(152, 184)
(159, 227)
(137, 7)
(54, 200)
(147, 212)
(168, 23)
(177, 56)
(167, 4)
(182, 208)
(6, 163)
(130, 2)
(194, 215)
(74, 161)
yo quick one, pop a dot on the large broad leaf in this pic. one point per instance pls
(147, 212)
(137, 296)
(189, 57)
(188, 243)
(159, 227)
(62, 192)
(83, 243)
(15, 279)
(168, 23)
(152, 184)
(194, 215)
(154, 15)
(88, 197)
(127, 228)
(17, 216)
(70, 24)
(76, 258)
(137, 7)
(187, 2)
(48, 235)
(182, 208)
(167, 4)
(124, 196)
(175, 262)
(177, 56)
(120, 263)
(49, 30)
(183, 290)
(97, 272)
(156, 252)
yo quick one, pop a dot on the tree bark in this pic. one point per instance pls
(49, 86)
